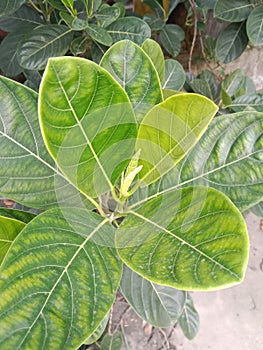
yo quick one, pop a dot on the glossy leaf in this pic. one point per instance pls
(169, 131)
(232, 11)
(255, 26)
(171, 36)
(9, 7)
(135, 72)
(9, 229)
(56, 297)
(19, 215)
(154, 51)
(111, 342)
(25, 15)
(174, 77)
(131, 28)
(88, 124)
(98, 332)
(229, 157)
(231, 42)
(27, 173)
(190, 239)
(158, 305)
(99, 34)
(42, 43)
(189, 319)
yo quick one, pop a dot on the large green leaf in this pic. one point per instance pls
(107, 15)
(43, 42)
(189, 319)
(9, 7)
(9, 229)
(27, 173)
(169, 131)
(19, 215)
(174, 77)
(190, 239)
(131, 28)
(56, 283)
(134, 71)
(154, 51)
(255, 26)
(231, 42)
(88, 123)
(229, 157)
(158, 305)
(171, 36)
(24, 16)
(232, 11)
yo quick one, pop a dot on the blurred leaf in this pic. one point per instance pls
(154, 51)
(99, 34)
(254, 101)
(131, 28)
(8, 7)
(111, 342)
(33, 79)
(19, 215)
(97, 51)
(202, 87)
(214, 86)
(231, 42)
(171, 36)
(121, 8)
(156, 6)
(189, 319)
(257, 209)
(98, 332)
(207, 4)
(78, 45)
(57, 4)
(107, 15)
(255, 26)
(174, 77)
(154, 22)
(232, 11)
(233, 82)
(168, 93)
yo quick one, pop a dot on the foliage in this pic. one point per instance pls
(135, 190)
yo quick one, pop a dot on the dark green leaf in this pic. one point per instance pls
(174, 75)
(99, 34)
(54, 298)
(254, 101)
(156, 6)
(257, 209)
(214, 86)
(107, 15)
(158, 305)
(19, 215)
(79, 24)
(231, 42)
(190, 239)
(131, 28)
(207, 4)
(154, 22)
(57, 4)
(8, 7)
(42, 43)
(232, 11)
(202, 87)
(171, 36)
(255, 26)
(33, 79)
(97, 51)
(233, 82)
(154, 51)
(121, 8)
(189, 319)
(98, 332)
(111, 342)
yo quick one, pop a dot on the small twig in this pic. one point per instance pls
(121, 317)
(166, 341)
(172, 330)
(195, 35)
(124, 336)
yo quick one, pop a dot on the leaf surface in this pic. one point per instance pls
(154, 51)
(9, 7)
(189, 319)
(99, 34)
(19, 215)
(190, 239)
(174, 77)
(232, 11)
(56, 283)
(255, 26)
(171, 36)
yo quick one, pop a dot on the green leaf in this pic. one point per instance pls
(228, 157)
(174, 77)
(42, 43)
(189, 319)
(68, 3)
(169, 131)
(25, 15)
(154, 22)
(56, 297)
(255, 26)
(190, 239)
(120, 6)
(111, 342)
(131, 28)
(213, 84)
(257, 209)
(154, 51)
(202, 87)
(242, 103)
(57, 4)
(98, 332)
(33, 79)
(233, 82)
(9, 7)
(232, 11)
(171, 36)
(231, 42)
(207, 4)
(27, 173)
(88, 124)
(19, 215)
(78, 45)
(158, 305)
(107, 15)
(156, 6)
(134, 71)
(99, 34)
(9, 229)
(97, 51)
(168, 93)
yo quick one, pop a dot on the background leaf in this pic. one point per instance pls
(99, 34)
(28, 175)
(98, 332)
(19, 215)
(190, 239)
(9, 7)
(42, 43)
(231, 42)
(255, 26)
(107, 15)
(171, 36)
(169, 131)
(88, 124)
(154, 51)
(131, 28)
(189, 319)
(134, 71)
(174, 77)
(111, 342)
(56, 297)
(158, 305)
(232, 11)
(254, 101)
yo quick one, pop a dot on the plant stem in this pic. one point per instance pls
(194, 37)
(35, 6)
